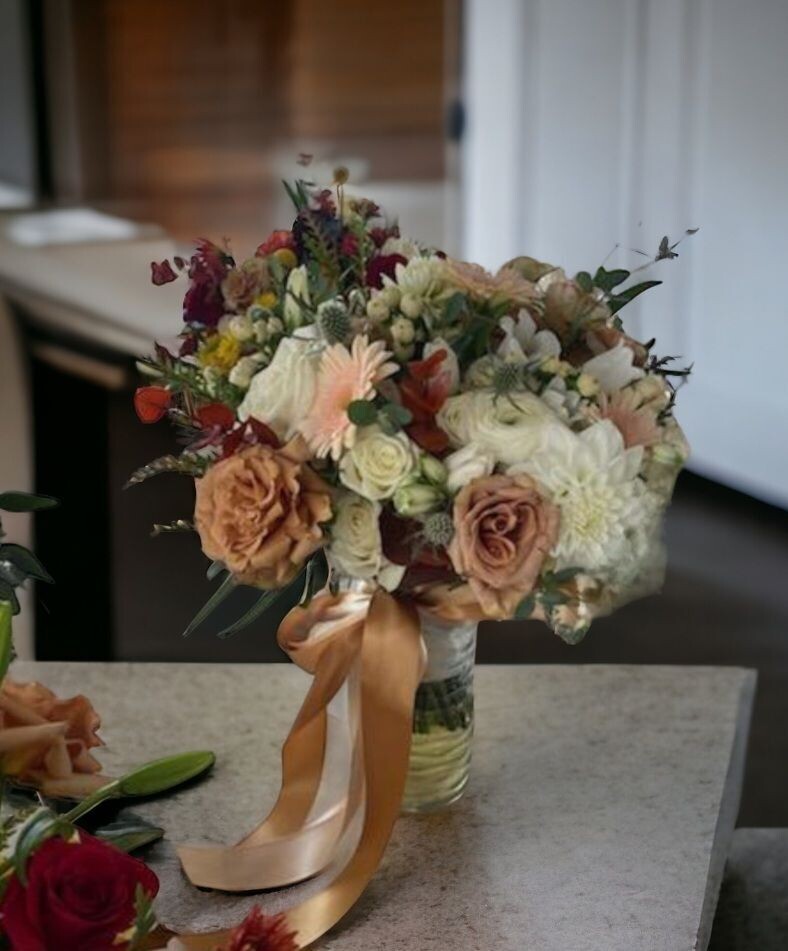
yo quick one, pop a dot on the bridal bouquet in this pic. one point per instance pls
(348, 396)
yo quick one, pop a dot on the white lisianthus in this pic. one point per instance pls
(512, 428)
(421, 284)
(470, 462)
(378, 463)
(522, 340)
(450, 364)
(608, 516)
(243, 371)
(614, 369)
(356, 549)
(282, 393)
(296, 294)
(241, 327)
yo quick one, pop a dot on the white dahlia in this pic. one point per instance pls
(608, 517)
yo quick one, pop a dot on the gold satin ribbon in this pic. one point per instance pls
(370, 644)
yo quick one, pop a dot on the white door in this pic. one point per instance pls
(592, 123)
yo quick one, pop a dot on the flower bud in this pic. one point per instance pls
(241, 327)
(587, 385)
(402, 331)
(417, 499)
(410, 305)
(377, 309)
(433, 470)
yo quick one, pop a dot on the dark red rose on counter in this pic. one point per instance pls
(79, 897)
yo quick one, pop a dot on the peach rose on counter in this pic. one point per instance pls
(504, 528)
(259, 513)
(46, 742)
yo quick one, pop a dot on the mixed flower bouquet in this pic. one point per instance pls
(350, 397)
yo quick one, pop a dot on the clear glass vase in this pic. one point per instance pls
(440, 755)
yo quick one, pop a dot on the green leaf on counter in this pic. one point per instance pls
(129, 833)
(26, 502)
(164, 774)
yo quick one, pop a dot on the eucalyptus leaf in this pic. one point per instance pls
(26, 502)
(224, 590)
(362, 412)
(25, 561)
(525, 608)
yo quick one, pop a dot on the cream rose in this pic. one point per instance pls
(297, 293)
(510, 427)
(282, 393)
(378, 463)
(470, 462)
(356, 548)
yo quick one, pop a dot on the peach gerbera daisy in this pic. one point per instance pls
(343, 376)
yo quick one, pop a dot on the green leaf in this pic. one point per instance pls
(266, 600)
(562, 576)
(224, 590)
(144, 919)
(525, 608)
(129, 833)
(6, 640)
(26, 502)
(8, 594)
(163, 774)
(362, 412)
(584, 280)
(43, 824)
(629, 294)
(397, 414)
(607, 280)
(455, 305)
(214, 569)
(25, 561)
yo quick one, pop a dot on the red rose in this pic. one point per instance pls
(79, 897)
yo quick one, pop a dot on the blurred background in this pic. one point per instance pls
(571, 130)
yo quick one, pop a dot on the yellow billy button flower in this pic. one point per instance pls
(286, 257)
(221, 351)
(267, 299)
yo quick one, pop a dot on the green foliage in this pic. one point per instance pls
(129, 833)
(179, 525)
(26, 502)
(607, 280)
(362, 412)
(164, 774)
(224, 590)
(393, 417)
(6, 641)
(622, 298)
(144, 919)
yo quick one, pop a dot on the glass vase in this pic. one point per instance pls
(440, 755)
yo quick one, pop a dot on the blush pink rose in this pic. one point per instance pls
(504, 528)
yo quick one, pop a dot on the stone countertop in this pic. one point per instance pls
(598, 817)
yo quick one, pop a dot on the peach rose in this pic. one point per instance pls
(503, 530)
(259, 512)
(46, 741)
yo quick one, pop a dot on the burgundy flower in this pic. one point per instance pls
(162, 273)
(383, 265)
(349, 245)
(380, 235)
(79, 897)
(203, 303)
(259, 932)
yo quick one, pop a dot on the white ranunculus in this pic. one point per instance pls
(522, 340)
(470, 462)
(614, 369)
(609, 518)
(378, 463)
(356, 548)
(511, 427)
(450, 365)
(296, 294)
(282, 393)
